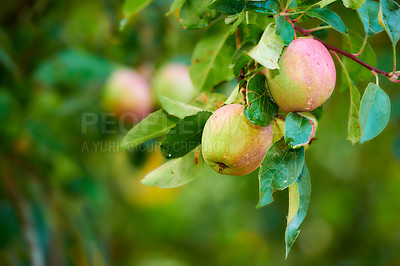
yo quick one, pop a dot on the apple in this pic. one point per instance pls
(127, 94)
(306, 76)
(173, 81)
(231, 144)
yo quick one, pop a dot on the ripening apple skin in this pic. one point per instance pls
(173, 81)
(127, 94)
(306, 76)
(231, 144)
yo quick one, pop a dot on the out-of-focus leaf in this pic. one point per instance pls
(177, 108)
(268, 50)
(269, 7)
(353, 128)
(352, 43)
(279, 169)
(175, 6)
(284, 30)
(299, 199)
(299, 130)
(329, 17)
(155, 125)
(131, 7)
(368, 13)
(176, 172)
(260, 109)
(374, 112)
(235, 94)
(8, 62)
(353, 4)
(389, 19)
(227, 6)
(185, 136)
(212, 57)
(195, 14)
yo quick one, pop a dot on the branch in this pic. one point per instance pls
(353, 57)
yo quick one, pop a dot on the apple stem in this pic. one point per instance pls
(389, 75)
(221, 167)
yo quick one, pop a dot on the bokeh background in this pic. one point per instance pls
(61, 204)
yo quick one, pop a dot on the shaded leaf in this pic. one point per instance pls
(374, 112)
(299, 130)
(329, 17)
(368, 13)
(195, 14)
(268, 50)
(176, 172)
(177, 108)
(284, 30)
(279, 169)
(227, 6)
(185, 136)
(269, 7)
(212, 57)
(390, 17)
(299, 200)
(154, 125)
(176, 5)
(260, 109)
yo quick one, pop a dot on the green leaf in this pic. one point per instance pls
(254, 33)
(299, 200)
(329, 17)
(131, 7)
(269, 49)
(236, 24)
(269, 7)
(177, 108)
(235, 94)
(195, 14)
(175, 6)
(241, 57)
(390, 16)
(324, 3)
(185, 136)
(284, 30)
(374, 112)
(279, 169)
(368, 13)
(212, 57)
(176, 172)
(352, 43)
(154, 125)
(353, 4)
(299, 130)
(209, 101)
(260, 109)
(7, 62)
(353, 127)
(228, 7)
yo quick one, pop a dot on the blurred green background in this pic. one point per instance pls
(61, 204)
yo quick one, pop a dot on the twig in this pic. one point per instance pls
(389, 75)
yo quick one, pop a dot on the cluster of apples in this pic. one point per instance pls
(131, 97)
(306, 77)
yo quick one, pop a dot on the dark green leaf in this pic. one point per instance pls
(155, 125)
(185, 136)
(374, 112)
(280, 168)
(212, 57)
(299, 199)
(329, 17)
(269, 7)
(241, 57)
(260, 109)
(368, 13)
(299, 130)
(228, 7)
(195, 14)
(176, 172)
(284, 30)
(254, 34)
(390, 12)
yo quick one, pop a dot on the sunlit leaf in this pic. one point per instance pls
(177, 108)
(131, 7)
(374, 112)
(176, 172)
(353, 4)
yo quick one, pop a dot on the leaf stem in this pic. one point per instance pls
(305, 10)
(319, 28)
(362, 47)
(394, 59)
(389, 75)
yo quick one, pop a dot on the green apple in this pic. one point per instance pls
(127, 94)
(173, 81)
(231, 144)
(306, 76)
